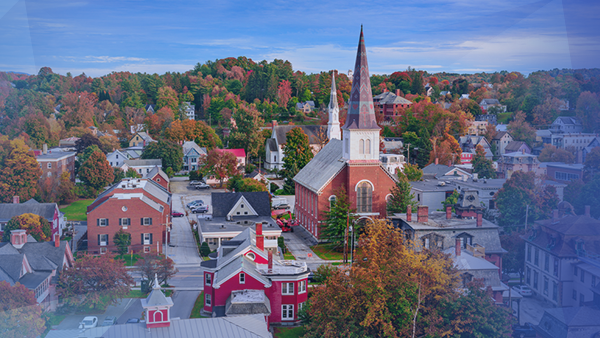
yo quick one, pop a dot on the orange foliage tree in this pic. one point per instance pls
(35, 225)
(20, 313)
(19, 170)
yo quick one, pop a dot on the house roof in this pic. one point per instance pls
(231, 268)
(55, 155)
(144, 136)
(438, 170)
(189, 146)
(235, 152)
(567, 120)
(34, 279)
(576, 316)
(500, 135)
(10, 267)
(573, 225)
(489, 101)
(157, 171)
(390, 98)
(247, 302)
(513, 146)
(272, 144)
(9, 210)
(223, 202)
(466, 261)
(117, 151)
(143, 163)
(148, 185)
(280, 133)
(326, 164)
(44, 256)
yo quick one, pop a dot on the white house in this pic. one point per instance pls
(116, 158)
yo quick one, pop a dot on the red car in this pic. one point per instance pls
(176, 214)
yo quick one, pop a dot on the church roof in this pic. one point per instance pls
(156, 297)
(323, 167)
(312, 131)
(361, 114)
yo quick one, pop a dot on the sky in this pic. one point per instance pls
(149, 36)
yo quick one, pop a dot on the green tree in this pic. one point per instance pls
(297, 155)
(169, 152)
(338, 218)
(450, 201)
(122, 240)
(247, 134)
(35, 225)
(20, 313)
(482, 166)
(240, 184)
(167, 97)
(96, 172)
(154, 264)
(401, 197)
(204, 249)
(412, 172)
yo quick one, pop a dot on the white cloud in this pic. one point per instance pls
(101, 59)
(149, 68)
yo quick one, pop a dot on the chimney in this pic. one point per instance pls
(16, 200)
(587, 211)
(409, 213)
(274, 122)
(260, 239)
(554, 215)
(448, 212)
(457, 247)
(56, 240)
(449, 163)
(479, 220)
(45, 149)
(436, 161)
(397, 92)
(270, 261)
(18, 238)
(422, 214)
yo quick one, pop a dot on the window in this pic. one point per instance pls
(332, 200)
(146, 221)
(466, 278)
(361, 147)
(547, 262)
(287, 312)
(582, 277)
(364, 197)
(554, 291)
(287, 288)
(117, 156)
(300, 306)
(207, 299)
(124, 221)
(251, 255)
(103, 239)
(49, 165)
(535, 280)
(574, 295)
(465, 239)
(546, 286)
(529, 252)
(103, 250)
(575, 271)
(537, 257)
(207, 279)
(242, 278)
(146, 239)
(368, 146)
(146, 249)
(555, 267)
(302, 286)
(49, 174)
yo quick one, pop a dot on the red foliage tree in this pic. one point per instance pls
(20, 314)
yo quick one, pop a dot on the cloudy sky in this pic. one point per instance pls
(98, 37)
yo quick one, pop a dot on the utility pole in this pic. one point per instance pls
(351, 246)
(408, 153)
(526, 216)
(346, 239)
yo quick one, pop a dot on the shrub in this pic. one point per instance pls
(204, 249)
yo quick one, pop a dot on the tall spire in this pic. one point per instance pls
(361, 114)
(333, 125)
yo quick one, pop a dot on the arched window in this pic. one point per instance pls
(251, 256)
(361, 147)
(332, 200)
(368, 147)
(364, 197)
(158, 316)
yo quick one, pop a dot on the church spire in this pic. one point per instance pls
(333, 125)
(361, 114)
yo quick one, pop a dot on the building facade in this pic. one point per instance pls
(54, 163)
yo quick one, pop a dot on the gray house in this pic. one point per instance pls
(191, 155)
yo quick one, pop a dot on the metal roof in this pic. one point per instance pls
(223, 202)
(143, 163)
(323, 167)
(10, 210)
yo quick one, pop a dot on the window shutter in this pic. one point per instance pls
(142, 239)
(107, 222)
(120, 221)
(98, 239)
(97, 221)
(142, 221)
(150, 221)
(129, 221)
(150, 238)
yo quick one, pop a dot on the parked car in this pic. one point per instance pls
(525, 330)
(202, 186)
(177, 214)
(195, 182)
(88, 322)
(281, 206)
(110, 320)
(132, 320)
(524, 290)
(195, 203)
(200, 209)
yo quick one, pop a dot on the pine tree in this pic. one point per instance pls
(401, 196)
(482, 166)
(338, 218)
(297, 155)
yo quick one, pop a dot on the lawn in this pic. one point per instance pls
(77, 211)
(130, 260)
(198, 307)
(289, 332)
(327, 251)
(288, 256)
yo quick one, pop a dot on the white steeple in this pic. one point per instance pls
(333, 126)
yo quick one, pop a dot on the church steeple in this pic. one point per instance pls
(361, 132)
(333, 126)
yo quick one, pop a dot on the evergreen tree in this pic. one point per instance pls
(401, 197)
(122, 240)
(297, 155)
(337, 218)
(481, 165)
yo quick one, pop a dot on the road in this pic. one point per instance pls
(532, 309)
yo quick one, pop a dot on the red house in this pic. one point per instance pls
(141, 207)
(351, 164)
(159, 176)
(240, 155)
(246, 279)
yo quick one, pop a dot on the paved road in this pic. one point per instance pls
(532, 309)
(183, 303)
(72, 321)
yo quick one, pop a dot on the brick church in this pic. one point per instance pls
(351, 163)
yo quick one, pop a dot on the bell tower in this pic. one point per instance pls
(333, 126)
(157, 307)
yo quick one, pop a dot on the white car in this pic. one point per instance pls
(88, 322)
(524, 290)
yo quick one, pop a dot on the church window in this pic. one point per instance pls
(364, 197)
(368, 146)
(332, 200)
(361, 147)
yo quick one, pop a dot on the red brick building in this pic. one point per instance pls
(388, 103)
(351, 164)
(141, 207)
(246, 279)
(54, 162)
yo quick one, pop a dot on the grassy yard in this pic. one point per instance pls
(288, 256)
(198, 307)
(289, 332)
(140, 294)
(77, 210)
(130, 260)
(327, 251)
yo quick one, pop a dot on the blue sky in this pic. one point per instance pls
(98, 37)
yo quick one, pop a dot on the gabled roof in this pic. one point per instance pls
(117, 151)
(9, 210)
(190, 146)
(576, 316)
(567, 120)
(223, 202)
(438, 170)
(143, 163)
(235, 152)
(157, 171)
(500, 135)
(144, 136)
(326, 164)
(272, 144)
(489, 101)
(233, 267)
(156, 297)
(150, 187)
(280, 133)
(10, 267)
(44, 256)
(513, 146)
(390, 98)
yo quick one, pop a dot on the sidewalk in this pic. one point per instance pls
(297, 245)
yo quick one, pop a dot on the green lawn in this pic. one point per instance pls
(288, 256)
(198, 307)
(289, 332)
(327, 251)
(129, 259)
(77, 211)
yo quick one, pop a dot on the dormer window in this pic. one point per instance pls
(242, 278)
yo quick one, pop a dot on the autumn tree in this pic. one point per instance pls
(155, 264)
(66, 189)
(239, 184)
(580, 194)
(122, 240)
(412, 172)
(78, 109)
(401, 196)
(592, 161)
(96, 172)
(190, 130)
(94, 282)
(339, 216)
(220, 163)
(482, 166)
(552, 154)
(87, 140)
(20, 313)
(35, 225)
(520, 130)
(284, 93)
(246, 133)
(588, 111)
(514, 259)
(19, 170)
(169, 152)
(167, 97)
(297, 153)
